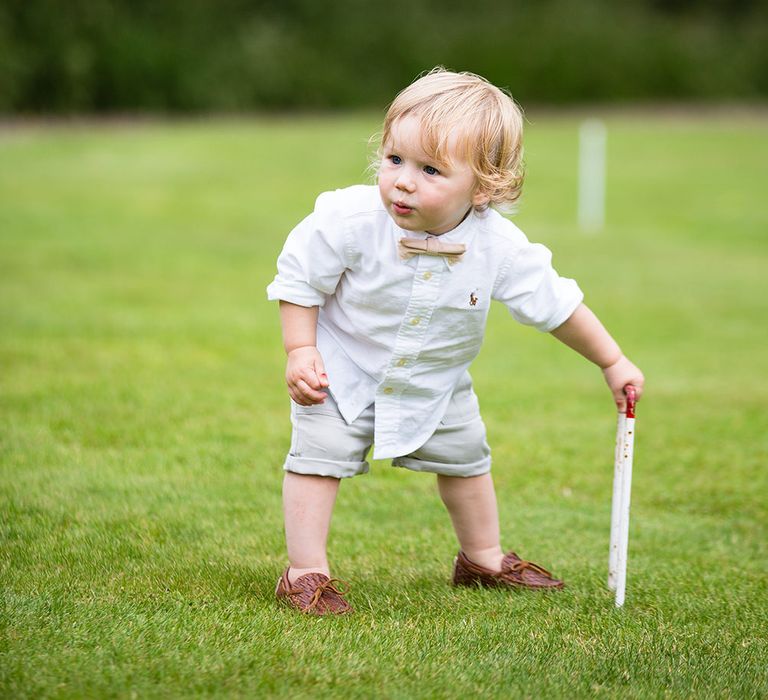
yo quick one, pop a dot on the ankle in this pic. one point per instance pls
(295, 572)
(489, 558)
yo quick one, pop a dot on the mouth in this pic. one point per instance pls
(401, 209)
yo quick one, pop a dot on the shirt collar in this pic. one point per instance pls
(463, 233)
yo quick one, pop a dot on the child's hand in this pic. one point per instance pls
(305, 375)
(618, 375)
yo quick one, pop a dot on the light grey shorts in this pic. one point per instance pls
(324, 445)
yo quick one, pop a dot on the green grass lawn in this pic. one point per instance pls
(144, 420)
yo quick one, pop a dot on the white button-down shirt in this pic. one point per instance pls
(400, 333)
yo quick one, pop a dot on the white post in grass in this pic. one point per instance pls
(625, 487)
(592, 138)
(616, 509)
(622, 488)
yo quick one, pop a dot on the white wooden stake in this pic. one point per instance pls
(622, 489)
(613, 554)
(592, 138)
(626, 490)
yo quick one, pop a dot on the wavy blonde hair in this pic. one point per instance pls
(485, 121)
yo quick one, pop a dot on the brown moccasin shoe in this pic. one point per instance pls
(313, 594)
(515, 573)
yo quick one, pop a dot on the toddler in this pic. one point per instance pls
(384, 293)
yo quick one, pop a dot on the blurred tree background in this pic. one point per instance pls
(102, 56)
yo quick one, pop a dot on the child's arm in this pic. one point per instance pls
(305, 373)
(584, 333)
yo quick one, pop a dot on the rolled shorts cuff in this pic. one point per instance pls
(482, 466)
(322, 467)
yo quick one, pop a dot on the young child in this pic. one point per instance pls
(384, 294)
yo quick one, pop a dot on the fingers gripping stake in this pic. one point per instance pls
(622, 487)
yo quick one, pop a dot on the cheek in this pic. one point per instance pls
(383, 178)
(430, 192)
(461, 197)
(440, 199)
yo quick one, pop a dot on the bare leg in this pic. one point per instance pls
(471, 502)
(307, 506)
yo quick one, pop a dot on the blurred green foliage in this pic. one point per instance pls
(230, 55)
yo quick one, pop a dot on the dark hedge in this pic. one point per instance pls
(231, 55)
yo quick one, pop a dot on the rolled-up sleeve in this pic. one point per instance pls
(532, 290)
(313, 258)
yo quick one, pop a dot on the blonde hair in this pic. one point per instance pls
(486, 121)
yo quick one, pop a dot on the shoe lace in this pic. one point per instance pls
(517, 567)
(321, 589)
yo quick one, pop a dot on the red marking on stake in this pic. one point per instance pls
(629, 390)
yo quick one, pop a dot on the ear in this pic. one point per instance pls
(480, 199)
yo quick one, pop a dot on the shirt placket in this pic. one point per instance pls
(408, 344)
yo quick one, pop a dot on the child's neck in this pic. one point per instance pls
(442, 233)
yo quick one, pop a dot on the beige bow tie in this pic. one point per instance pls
(452, 252)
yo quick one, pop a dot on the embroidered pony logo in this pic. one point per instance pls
(473, 299)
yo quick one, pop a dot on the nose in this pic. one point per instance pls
(404, 181)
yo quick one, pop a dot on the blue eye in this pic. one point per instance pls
(396, 160)
(429, 170)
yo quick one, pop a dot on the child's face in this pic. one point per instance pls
(419, 194)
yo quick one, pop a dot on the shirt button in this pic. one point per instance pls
(426, 276)
(415, 321)
(388, 390)
(402, 362)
